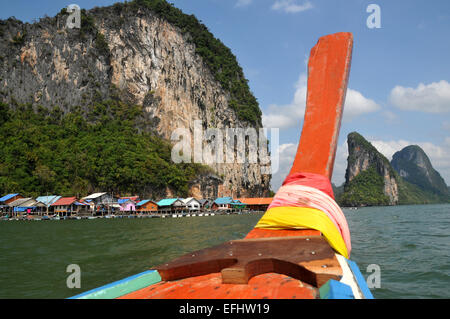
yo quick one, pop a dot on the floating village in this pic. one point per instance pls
(105, 205)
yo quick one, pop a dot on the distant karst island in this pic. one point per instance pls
(371, 180)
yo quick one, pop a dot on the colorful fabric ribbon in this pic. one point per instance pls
(317, 181)
(308, 191)
(302, 217)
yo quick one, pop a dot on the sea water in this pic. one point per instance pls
(409, 244)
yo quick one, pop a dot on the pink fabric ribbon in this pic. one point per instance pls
(294, 193)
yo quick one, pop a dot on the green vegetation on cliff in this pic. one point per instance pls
(366, 189)
(412, 194)
(48, 152)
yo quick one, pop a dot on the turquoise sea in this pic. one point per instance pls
(410, 244)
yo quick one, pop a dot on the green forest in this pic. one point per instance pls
(366, 187)
(48, 152)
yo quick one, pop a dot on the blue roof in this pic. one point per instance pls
(6, 197)
(123, 200)
(48, 200)
(143, 202)
(223, 200)
(167, 201)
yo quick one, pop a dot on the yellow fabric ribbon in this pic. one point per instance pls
(303, 217)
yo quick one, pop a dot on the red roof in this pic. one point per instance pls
(135, 198)
(256, 201)
(64, 201)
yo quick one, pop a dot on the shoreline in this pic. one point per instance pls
(411, 204)
(130, 216)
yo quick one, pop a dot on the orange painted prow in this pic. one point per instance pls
(328, 71)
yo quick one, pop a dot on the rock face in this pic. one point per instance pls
(371, 180)
(414, 166)
(362, 157)
(130, 53)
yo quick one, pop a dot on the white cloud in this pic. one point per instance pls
(390, 147)
(243, 3)
(431, 98)
(340, 164)
(439, 154)
(356, 104)
(291, 6)
(290, 115)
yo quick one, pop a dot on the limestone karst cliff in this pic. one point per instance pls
(414, 166)
(371, 180)
(146, 53)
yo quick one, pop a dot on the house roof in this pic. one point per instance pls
(167, 201)
(25, 203)
(202, 201)
(94, 196)
(124, 200)
(223, 200)
(186, 200)
(143, 202)
(189, 199)
(19, 202)
(257, 201)
(32, 203)
(48, 200)
(146, 201)
(134, 198)
(64, 201)
(6, 197)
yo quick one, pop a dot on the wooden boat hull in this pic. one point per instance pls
(148, 285)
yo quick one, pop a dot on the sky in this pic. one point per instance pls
(399, 86)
